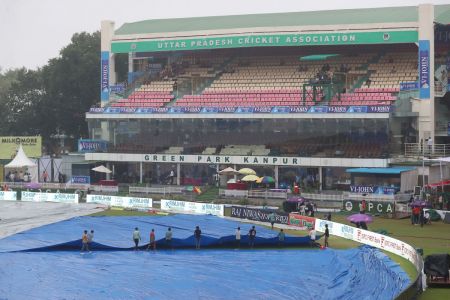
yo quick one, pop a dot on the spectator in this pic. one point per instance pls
(171, 176)
(272, 219)
(136, 238)
(393, 70)
(421, 217)
(169, 237)
(90, 238)
(12, 176)
(281, 237)
(152, 244)
(327, 235)
(252, 236)
(238, 237)
(363, 225)
(368, 82)
(416, 214)
(312, 236)
(197, 235)
(84, 241)
(430, 145)
(45, 175)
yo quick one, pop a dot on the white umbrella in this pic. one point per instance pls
(102, 169)
(232, 180)
(228, 171)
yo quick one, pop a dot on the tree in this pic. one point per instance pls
(72, 83)
(53, 99)
(21, 107)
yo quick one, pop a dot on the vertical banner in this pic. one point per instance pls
(424, 69)
(104, 80)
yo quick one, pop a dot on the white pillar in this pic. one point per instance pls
(178, 173)
(235, 176)
(320, 178)
(140, 172)
(426, 108)
(276, 176)
(108, 175)
(108, 71)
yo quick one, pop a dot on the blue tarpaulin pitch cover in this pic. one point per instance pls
(52, 273)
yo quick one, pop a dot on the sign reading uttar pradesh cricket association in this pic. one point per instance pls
(265, 40)
(32, 146)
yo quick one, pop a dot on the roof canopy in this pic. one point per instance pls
(307, 18)
(21, 160)
(396, 170)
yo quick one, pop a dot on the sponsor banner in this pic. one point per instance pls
(8, 195)
(337, 229)
(209, 110)
(192, 207)
(92, 145)
(118, 88)
(244, 110)
(81, 179)
(424, 69)
(32, 146)
(373, 207)
(280, 110)
(104, 77)
(318, 109)
(97, 110)
(258, 214)
(301, 221)
(112, 110)
(49, 197)
(370, 238)
(125, 202)
(357, 109)
(368, 189)
(380, 109)
(266, 40)
(408, 86)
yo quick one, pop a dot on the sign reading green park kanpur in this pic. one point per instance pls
(270, 40)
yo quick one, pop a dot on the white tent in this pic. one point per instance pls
(22, 163)
(102, 169)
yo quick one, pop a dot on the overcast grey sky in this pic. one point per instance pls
(33, 31)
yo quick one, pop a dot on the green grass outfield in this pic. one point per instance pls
(433, 238)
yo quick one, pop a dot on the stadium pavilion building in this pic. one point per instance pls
(298, 96)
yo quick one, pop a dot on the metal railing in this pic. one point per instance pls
(156, 190)
(323, 197)
(46, 185)
(417, 150)
(253, 194)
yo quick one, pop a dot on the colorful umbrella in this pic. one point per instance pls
(358, 218)
(247, 171)
(250, 178)
(266, 180)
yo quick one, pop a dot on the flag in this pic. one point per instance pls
(197, 190)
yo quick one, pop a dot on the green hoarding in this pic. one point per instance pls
(372, 207)
(269, 40)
